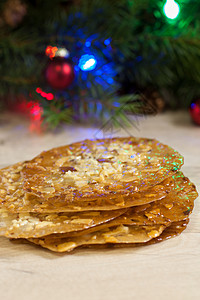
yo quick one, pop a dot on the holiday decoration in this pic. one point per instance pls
(87, 62)
(171, 9)
(32, 110)
(48, 96)
(62, 52)
(59, 73)
(36, 112)
(51, 51)
(195, 111)
(118, 50)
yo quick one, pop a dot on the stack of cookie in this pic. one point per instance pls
(111, 191)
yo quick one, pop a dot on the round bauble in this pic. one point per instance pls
(195, 111)
(59, 73)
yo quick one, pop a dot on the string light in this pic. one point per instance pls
(35, 111)
(48, 96)
(171, 9)
(88, 44)
(51, 51)
(107, 42)
(87, 62)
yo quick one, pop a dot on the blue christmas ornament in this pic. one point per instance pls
(87, 62)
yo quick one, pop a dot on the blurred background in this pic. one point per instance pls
(83, 61)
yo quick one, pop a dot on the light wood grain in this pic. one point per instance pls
(169, 270)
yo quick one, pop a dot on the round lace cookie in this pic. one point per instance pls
(105, 168)
(15, 199)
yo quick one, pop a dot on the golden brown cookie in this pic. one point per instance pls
(25, 225)
(13, 198)
(93, 169)
(115, 235)
(174, 207)
(171, 213)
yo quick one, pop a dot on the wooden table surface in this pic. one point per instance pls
(168, 270)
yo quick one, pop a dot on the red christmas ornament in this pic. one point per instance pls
(195, 111)
(59, 73)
